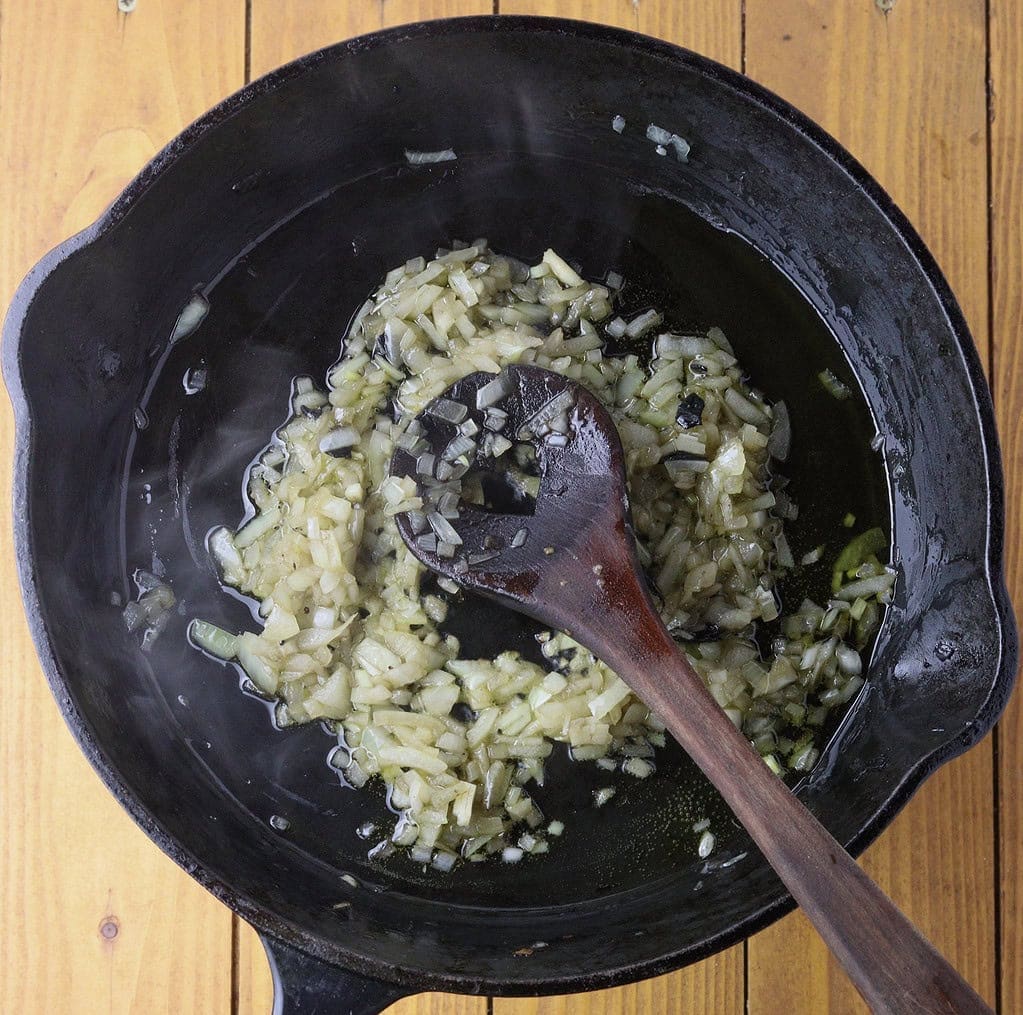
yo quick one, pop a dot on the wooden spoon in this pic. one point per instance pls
(577, 572)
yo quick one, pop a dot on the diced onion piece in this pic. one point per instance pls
(191, 316)
(495, 391)
(443, 529)
(645, 322)
(417, 158)
(499, 445)
(813, 556)
(460, 445)
(447, 410)
(213, 639)
(561, 269)
(617, 328)
(833, 386)
(339, 439)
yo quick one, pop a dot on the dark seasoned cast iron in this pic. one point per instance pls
(284, 206)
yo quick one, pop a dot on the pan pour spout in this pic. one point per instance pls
(572, 564)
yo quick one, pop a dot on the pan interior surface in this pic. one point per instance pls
(284, 212)
(280, 311)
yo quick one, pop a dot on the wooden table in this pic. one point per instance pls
(929, 96)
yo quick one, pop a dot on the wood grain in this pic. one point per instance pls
(285, 29)
(95, 918)
(713, 986)
(1007, 381)
(906, 94)
(713, 29)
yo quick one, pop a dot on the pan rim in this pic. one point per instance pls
(1003, 667)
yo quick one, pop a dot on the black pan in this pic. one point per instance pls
(284, 206)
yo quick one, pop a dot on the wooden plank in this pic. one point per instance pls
(712, 29)
(716, 985)
(1007, 305)
(285, 29)
(906, 94)
(95, 917)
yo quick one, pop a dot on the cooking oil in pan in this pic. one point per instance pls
(263, 326)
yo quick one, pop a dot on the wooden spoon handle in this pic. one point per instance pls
(891, 964)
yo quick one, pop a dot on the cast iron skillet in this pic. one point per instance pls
(284, 206)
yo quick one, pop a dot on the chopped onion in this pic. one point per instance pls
(495, 420)
(444, 530)
(499, 445)
(460, 445)
(447, 505)
(540, 420)
(687, 463)
(458, 740)
(681, 146)
(616, 328)
(785, 558)
(495, 391)
(561, 269)
(444, 861)
(447, 410)
(833, 386)
(191, 316)
(867, 587)
(640, 325)
(411, 443)
(745, 409)
(339, 439)
(416, 158)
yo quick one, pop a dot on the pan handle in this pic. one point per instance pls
(304, 985)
